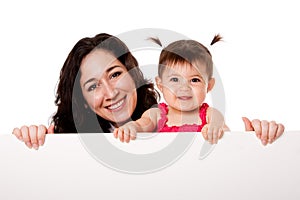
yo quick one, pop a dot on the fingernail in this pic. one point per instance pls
(270, 141)
(259, 136)
(28, 144)
(35, 146)
(40, 143)
(264, 142)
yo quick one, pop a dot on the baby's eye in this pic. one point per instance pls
(174, 79)
(115, 75)
(194, 80)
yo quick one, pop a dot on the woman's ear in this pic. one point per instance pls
(87, 108)
(158, 83)
(211, 84)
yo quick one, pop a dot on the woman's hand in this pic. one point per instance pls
(33, 136)
(266, 131)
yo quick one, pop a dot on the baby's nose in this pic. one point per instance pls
(185, 85)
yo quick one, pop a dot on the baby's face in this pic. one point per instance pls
(184, 86)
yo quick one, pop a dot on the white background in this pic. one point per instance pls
(258, 60)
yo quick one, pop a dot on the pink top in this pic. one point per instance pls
(162, 123)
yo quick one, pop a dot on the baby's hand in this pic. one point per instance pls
(126, 132)
(212, 133)
(215, 127)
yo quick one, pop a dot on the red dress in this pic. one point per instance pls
(162, 123)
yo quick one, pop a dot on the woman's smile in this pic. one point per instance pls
(117, 106)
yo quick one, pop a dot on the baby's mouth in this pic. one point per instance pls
(184, 97)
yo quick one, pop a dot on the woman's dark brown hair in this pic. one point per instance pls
(71, 115)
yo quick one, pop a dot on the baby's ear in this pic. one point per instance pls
(158, 83)
(211, 84)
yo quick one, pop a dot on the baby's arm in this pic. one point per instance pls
(147, 123)
(215, 127)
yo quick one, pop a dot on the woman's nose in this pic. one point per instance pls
(109, 90)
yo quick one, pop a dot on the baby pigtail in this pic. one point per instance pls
(216, 39)
(155, 40)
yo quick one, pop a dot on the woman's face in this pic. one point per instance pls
(107, 87)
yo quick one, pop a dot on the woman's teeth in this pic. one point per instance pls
(115, 106)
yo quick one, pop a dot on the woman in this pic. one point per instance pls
(109, 90)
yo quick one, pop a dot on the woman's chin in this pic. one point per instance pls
(121, 120)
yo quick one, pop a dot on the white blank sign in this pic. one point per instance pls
(239, 167)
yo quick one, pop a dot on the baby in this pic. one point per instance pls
(185, 76)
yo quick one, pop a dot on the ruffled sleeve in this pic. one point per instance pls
(163, 116)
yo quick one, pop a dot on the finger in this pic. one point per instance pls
(225, 128)
(204, 132)
(221, 133)
(33, 132)
(247, 123)
(272, 131)
(264, 132)
(116, 133)
(17, 133)
(280, 131)
(256, 124)
(218, 134)
(209, 135)
(25, 136)
(215, 135)
(120, 134)
(126, 135)
(132, 134)
(42, 130)
(50, 129)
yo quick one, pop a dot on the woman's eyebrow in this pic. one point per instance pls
(88, 81)
(112, 67)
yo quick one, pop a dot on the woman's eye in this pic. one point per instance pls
(92, 87)
(194, 80)
(174, 79)
(115, 75)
